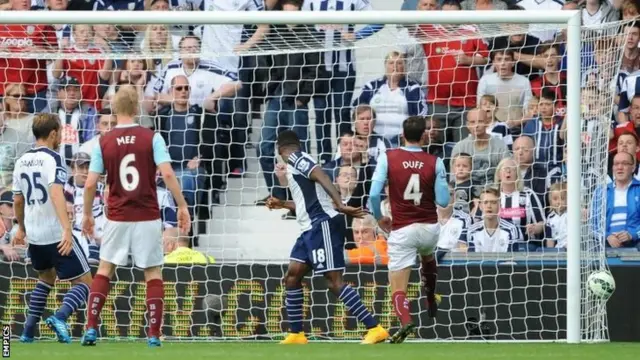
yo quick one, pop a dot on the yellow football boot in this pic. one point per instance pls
(295, 339)
(375, 335)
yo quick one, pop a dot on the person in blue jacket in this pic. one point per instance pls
(622, 227)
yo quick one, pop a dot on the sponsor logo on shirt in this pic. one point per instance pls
(16, 42)
(510, 213)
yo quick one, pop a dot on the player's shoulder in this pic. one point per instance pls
(300, 156)
(45, 154)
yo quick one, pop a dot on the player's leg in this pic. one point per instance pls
(402, 258)
(114, 251)
(328, 259)
(294, 300)
(147, 254)
(75, 268)
(42, 260)
(427, 235)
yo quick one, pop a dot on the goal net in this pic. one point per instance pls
(493, 96)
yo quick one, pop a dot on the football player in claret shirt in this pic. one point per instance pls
(417, 185)
(41, 212)
(321, 245)
(129, 154)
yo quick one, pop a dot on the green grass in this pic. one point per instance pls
(336, 351)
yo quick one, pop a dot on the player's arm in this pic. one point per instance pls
(57, 178)
(318, 175)
(378, 181)
(441, 188)
(96, 168)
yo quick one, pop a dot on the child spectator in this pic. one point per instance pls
(463, 190)
(556, 228)
(499, 129)
(492, 234)
(454, 225)
(547, 131)
(364, 122)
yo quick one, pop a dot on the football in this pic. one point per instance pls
(601, 284)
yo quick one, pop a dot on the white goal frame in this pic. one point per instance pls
(572, 18)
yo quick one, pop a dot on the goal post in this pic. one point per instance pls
(578, 323)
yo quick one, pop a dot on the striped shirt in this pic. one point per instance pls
(502, 239)
(345, 59)
(630, 87)
(454, 231)
(203, 81)
(521, 208)
(556, 229)
(619, 217)
(549, 145)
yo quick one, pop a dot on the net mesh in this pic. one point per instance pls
(513, 293)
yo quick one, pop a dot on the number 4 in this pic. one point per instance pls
(412, 191)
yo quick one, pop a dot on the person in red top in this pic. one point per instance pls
(94, 74)
(452, 79)
(32, 73)
(417, 185)
(552, 78)
(129, 154)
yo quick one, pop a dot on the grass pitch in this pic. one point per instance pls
(329, 351)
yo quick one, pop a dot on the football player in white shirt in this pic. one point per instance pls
(41, 212)
(493, 234)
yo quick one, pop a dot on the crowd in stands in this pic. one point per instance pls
(494, 108)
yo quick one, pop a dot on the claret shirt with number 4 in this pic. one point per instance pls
(417, 181)
(129, 155)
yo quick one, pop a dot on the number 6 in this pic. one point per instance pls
(126, 170)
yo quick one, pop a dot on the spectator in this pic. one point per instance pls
(179, 124)
(346, 182)
(556, 229)
(63, 31)
(622, 227)
(627, 143)
(499, 129)
(601, 74)
(520, 205)
(293, 81)
(534, 176)
(485, 150)
(168, 207)
(492, 234)
(597, 12)
(119, 39)
(630, 10)
(630, 53)
(453, 80)
(135, 73)
(9, 251)
(548, 131)
(454, 225)
(634, 114)
(433, 143)
(542, 32)
(178, 251)
(512, 91)
(524, 48)
(552, 78)
(111, 39)
(93, 75)
(371, 247)
(464, 192)
(169, 35)
(340, 66)
(32, 73)
(393, 97)
(160, 46)
(74, 194)
(207, 82)
(16, 137)
(364, 122)
(106, 122)
(483, 5)
(78, 119)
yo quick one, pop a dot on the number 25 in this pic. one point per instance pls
(412, 191)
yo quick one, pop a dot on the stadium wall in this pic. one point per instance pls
(527, 302)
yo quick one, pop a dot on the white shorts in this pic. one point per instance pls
(141, 239)
(405, 243)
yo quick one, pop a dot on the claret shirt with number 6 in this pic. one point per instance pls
(129, 155)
